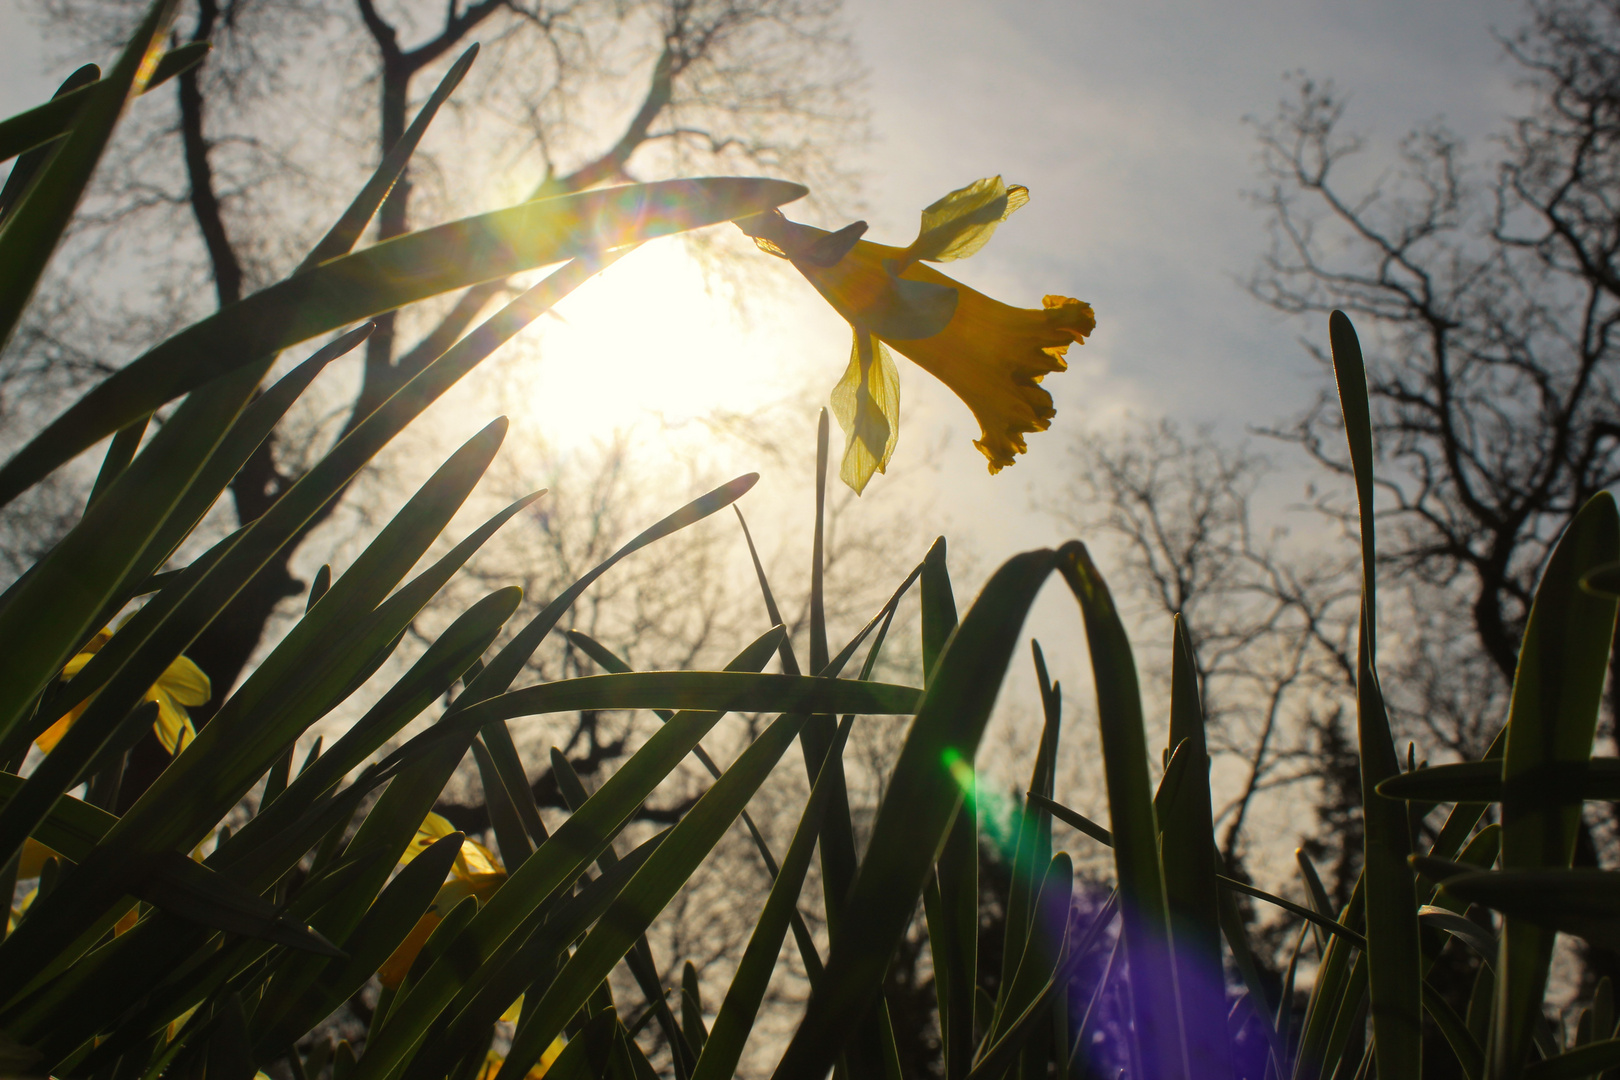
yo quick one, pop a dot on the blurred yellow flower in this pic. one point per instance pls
(30, 865)
(494, 1061)
(32, 860)
(991, 355)
(181, 684)
(476, 872)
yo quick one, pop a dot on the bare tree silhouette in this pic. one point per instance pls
(573, 93)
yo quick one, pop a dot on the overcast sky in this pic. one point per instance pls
(1127, 123)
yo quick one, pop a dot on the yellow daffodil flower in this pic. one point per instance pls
(181, 684)
(494, 1061)
(32, 861)
(991, 355)
(31, 864)
(476, 872)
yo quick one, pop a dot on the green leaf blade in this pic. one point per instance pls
(1552, 718)
(1132, 822)
(381, 278)
(917, 812)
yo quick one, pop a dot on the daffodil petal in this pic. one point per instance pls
(962, 222)
(21, 908)
(549, 1057)
(82, 657)
(182, 683)
(866, 403)
(47, 739)
(172, 726)
(397, 966)
(32, 860)
(186, 682)
(433, 829)
(493, 1061)
(912, 309)
(475, 859)
(436, 826)
(459, 886)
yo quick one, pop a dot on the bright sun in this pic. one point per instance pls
(645, 344)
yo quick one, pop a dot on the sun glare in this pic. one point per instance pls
(646, 345)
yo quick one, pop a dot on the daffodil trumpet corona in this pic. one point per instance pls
(991, 355)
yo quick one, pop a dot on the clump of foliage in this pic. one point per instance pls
(134, 959)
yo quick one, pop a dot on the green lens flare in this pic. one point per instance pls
(1001, 820)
